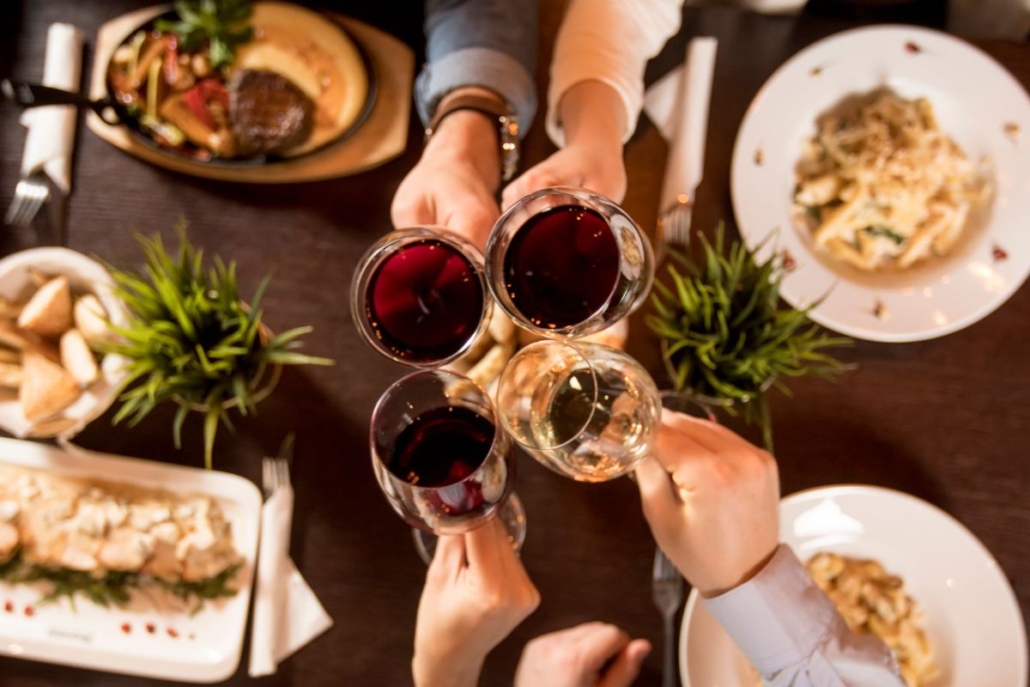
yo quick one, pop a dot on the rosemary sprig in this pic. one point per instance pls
(113, 587)
(726, 334)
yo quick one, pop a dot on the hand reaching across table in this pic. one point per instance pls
(592, 155)
(476, 593)
(454, 182)
(589, 655)
(712, 501)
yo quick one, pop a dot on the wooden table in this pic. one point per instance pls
(947, 420)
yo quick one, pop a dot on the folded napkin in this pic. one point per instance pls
(287, 614)
(678, 105)
(48, 147)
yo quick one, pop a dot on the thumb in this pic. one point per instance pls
(626, 667)
(411, 212)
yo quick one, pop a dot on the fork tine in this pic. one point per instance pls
(284, 473)
(15, 209)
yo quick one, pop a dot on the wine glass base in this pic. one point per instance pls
(512, 515)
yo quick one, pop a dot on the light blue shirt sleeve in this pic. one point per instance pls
(487, 43)
(791, 632)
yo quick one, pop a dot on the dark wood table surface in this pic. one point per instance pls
(946, 420)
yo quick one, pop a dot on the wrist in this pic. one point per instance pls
(592, 114)
(450, 671)
(731, 582)
(470, 137)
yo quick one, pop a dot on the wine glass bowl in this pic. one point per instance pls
(419, 296)
(564, 262)
(585, 410)
(438, 453)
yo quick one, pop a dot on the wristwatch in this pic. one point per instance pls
(507, 125)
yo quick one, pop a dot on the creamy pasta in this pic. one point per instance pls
(882, 186)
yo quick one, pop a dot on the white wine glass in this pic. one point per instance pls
(585, 410)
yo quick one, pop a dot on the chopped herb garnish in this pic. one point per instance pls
(113, 587)
(885, 232)
(815, 212)
(221, 24)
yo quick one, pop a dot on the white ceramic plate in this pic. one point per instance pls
(972, 616)
(974, 98)
(146, 640)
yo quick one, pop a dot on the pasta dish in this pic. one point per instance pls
(881, 185)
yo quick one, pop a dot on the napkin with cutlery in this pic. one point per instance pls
(287, 614)
(677, 104)
(51, 137)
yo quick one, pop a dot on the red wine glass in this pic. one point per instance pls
(419, 296)
(564, 262)
(441, 458)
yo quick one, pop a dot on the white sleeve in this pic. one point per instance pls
(792, 634)
(609, 41)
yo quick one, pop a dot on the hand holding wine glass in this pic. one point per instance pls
(476, 593)
(589, 655)
(712, 501)
(593, 124)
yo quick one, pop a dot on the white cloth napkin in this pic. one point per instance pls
(48, 147)
(678, 105)
(287, 614)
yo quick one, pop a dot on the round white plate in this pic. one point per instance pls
(972, 616)
(979, 104)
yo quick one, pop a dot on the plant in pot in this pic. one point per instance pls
(191, 340)
(726, 339)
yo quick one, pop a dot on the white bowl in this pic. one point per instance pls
(85, 275)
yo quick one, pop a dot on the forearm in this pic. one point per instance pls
(468, 136)
(608, 41)
(791, 632)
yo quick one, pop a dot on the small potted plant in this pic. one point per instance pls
(725, 337)
(191, 340)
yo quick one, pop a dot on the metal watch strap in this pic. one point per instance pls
(507, 130)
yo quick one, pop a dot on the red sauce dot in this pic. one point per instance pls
(29, 611)
(151, 628)
(172, 633)
(912, 48)
(126, 628)
(9, 607)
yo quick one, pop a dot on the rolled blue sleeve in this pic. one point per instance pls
(486, 43)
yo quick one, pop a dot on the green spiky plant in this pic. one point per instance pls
(191, 340)
(726, 335)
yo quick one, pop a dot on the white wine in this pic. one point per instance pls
(598, 420)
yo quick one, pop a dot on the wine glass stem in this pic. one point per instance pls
(512, 514)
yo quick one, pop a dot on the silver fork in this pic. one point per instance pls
(275, 472)
(29, 196)
(674, 225)
(667, 589)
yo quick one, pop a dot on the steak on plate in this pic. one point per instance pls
(268, 113)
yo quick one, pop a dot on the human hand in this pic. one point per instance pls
(712, 501)
(593, 121)
(595, 168)
(454, 182)
(476, 593)
(588, 655)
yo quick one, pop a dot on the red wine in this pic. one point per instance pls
(441, 447)
(425, 301)
(562, 266)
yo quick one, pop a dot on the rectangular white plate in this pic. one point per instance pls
(145, 640)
